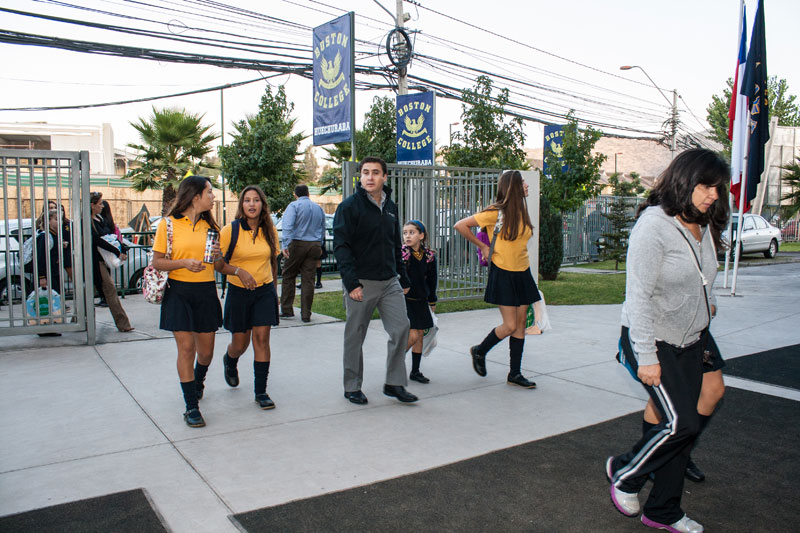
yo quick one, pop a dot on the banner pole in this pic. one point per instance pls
(353, 87)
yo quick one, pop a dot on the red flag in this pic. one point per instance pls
(738, 113)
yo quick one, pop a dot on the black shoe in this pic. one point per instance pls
(478, 361)
(102, 303)
(284, 315)
(200, 386)
(193, 418)
(264, 401)
(693, 473)
(318, 285)
(418, 377)
(356, 397)
(299, 286)
(306, 320)
(399, 392)
(519, 379)
(51, 334)
(231, 372)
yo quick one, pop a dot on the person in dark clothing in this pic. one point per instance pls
(49, 251)
(102, 276)
(366, 238)
(421, 298)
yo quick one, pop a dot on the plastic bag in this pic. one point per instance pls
(40, 300)
(429, 336)
(538, 320)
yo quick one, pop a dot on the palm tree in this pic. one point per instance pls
(172, 143)
(792, 179)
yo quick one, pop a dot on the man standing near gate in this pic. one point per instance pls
(366, 239)
(303, 231)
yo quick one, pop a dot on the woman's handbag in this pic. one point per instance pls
(154, 282)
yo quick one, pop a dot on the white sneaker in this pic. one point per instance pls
(684, 525)
(626, 503)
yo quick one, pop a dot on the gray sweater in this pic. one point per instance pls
(664, 292)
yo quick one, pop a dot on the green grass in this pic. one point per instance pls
(790, 247)
(569, 289)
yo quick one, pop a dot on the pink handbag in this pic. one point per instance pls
(154, 282)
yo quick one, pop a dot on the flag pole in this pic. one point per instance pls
(742, 195)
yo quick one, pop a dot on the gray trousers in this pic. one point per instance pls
(387, 296)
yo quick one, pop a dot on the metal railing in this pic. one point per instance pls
(584, 227)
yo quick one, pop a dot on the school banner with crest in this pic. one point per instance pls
(333, 55)
(415, 135)
(552, 142)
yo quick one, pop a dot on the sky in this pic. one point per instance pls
(570, 49)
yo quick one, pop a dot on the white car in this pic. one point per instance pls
(10, 269)
(757, 235)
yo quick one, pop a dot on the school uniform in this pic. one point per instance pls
(422, 273)
(190, 301)
(510, 280)
(244, 308)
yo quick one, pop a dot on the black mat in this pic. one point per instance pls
(121, 512)
(780, 366)
(750, 454)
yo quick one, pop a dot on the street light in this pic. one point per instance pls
(673, 105)
(451, 130)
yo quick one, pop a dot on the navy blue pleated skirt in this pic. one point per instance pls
(190, 306)
(419, 314)
(246, 309)
(506, 287)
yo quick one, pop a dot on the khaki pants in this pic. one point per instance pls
(303, 257)
(114, 305)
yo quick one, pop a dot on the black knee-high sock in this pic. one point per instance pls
(515, 347)
(231, 361)
(319, 274)
(260, 371)
(647, 426)
(488, 343)
(415, 360)
(200, 372)
(189, 389)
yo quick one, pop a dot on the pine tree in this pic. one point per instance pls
(620, 216)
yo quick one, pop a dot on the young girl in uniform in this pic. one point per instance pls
(190, 308)
(251, 306)
(421, 268)
(511, 285)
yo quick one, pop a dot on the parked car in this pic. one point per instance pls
(757, 235)
(11, 271)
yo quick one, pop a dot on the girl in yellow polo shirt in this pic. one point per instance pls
(190, 308)
(251, 306)
(511, 285)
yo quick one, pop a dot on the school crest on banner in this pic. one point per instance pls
(553, 139)
(333, 83)
(415, 131)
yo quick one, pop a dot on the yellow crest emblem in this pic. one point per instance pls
(331, 75)
(414, 127)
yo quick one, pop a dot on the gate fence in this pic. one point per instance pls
(51, 292)
(584, 227)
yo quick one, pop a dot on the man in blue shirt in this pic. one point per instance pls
(303, 236)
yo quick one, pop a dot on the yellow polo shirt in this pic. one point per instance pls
(188, 242)
(253, 256)
(508, 255)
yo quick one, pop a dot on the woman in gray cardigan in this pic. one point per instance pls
(671, 266)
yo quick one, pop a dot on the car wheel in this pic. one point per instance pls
(136, 281)
(16, 289)
(772, 251)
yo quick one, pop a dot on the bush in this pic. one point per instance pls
(551, 240)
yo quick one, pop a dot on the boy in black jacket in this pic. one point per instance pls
(367, 240)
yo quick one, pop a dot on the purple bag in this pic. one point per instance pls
(484, 238)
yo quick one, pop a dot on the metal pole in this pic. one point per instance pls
(352, 89)
(222, 143)
(402, 73)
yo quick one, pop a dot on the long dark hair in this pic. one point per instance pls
(107, 216)
(265, 220)
(190, 187)
(674, 188)
(510, 201)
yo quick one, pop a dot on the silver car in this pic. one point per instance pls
(758, 235)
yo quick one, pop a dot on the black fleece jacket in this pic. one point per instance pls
(367, 240)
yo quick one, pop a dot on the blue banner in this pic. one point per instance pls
(552, 142)
(333, 84)
(415, 132)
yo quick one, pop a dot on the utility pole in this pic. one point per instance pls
(402, 73)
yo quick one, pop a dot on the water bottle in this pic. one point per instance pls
(212, 238)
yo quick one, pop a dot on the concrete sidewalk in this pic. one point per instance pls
(81, 421)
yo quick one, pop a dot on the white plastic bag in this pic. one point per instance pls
(40, 300)
(429, 336)
(541, 319)
(111, 260)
